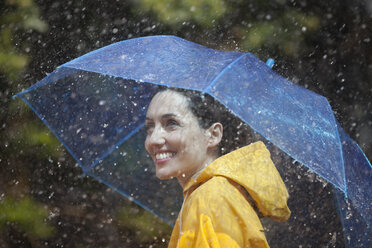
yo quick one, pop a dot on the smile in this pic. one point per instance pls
(164, 155)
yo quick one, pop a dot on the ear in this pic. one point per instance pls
(214, 134)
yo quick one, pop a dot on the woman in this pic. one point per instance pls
(223, 195)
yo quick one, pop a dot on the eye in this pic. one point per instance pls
(149, 127)
(171, 123)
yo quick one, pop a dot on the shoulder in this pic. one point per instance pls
(214, 187)
(220, 201)
(215, 194)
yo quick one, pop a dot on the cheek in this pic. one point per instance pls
(193, 144)
(147, 147)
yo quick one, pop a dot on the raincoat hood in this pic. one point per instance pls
(250, 167)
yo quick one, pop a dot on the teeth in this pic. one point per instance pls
(164, 155)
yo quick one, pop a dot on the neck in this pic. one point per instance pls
(183, 178)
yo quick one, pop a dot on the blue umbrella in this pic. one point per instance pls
(96, 106)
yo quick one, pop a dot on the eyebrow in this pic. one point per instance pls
(164, 116)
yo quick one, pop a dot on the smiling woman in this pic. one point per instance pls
(187, 132)
(177, 144)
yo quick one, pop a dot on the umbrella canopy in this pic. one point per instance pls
(96, 106)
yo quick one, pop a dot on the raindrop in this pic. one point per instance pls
(51, 195)
(348, 216)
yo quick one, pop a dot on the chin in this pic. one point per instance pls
(163, 175)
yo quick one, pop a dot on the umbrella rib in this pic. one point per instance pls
(340, 147)
(52, 130)
(222, 72)
(109, 151)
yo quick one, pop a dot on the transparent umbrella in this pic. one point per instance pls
(96, 107)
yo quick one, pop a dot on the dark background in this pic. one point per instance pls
(324, 46)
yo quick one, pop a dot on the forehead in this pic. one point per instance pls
(168, 102)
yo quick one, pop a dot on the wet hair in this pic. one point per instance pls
(208, 111)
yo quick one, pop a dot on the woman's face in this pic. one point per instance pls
(174, 139)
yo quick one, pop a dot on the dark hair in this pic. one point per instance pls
(207, 110)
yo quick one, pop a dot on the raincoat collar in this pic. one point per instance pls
(252, 168)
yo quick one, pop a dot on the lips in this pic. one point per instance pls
(164, 155)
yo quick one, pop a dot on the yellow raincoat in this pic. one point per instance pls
(218, 209)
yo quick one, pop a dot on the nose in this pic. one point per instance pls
(155, 138)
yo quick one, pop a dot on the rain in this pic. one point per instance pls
(49, 198)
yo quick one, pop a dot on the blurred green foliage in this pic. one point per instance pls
(147, 227)
(17, 15)
(28, 215)
(175, 13)
(285, 33)
(35, 136)
(24, 213)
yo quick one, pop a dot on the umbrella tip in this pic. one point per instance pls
(270, 62)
